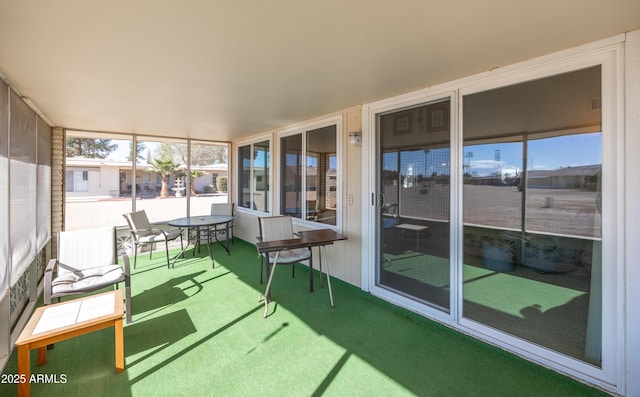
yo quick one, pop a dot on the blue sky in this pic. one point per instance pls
(549, 153)
(122, 152)
(543, 154)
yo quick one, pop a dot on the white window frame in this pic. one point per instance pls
(303, 129)
(251, 142)
(370, 212)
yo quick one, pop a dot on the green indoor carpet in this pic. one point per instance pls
(199, 331)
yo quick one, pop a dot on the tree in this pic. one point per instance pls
(176, 155)
(90, 148)
(192, 179)
(165, 168)
(200, 154)
(140, 146)
(221, 183)
(469, 156)
(208, 154)
(177, 152)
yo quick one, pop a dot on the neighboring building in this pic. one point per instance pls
(104, 178)
(580, 177)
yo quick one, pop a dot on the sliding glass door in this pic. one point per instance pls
(532, 195)
(496, 208)
(413, 196)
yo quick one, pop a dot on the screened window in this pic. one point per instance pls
(164, 159)
(308, 175)
(208, 178)
(102, 183)
(253, 176)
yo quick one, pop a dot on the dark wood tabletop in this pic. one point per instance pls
(307, 238)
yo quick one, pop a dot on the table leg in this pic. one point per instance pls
(213, 264)
(267, 267)
(197, 244)
(119, 342)
(266, 291)
(184, 249)
(42, 355)
(320, 265)
(310, 271)
(24, 368)
(324, 251)
(226, 235)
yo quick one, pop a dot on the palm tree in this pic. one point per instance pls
(165, 168)
(469, 156)
(192, 179)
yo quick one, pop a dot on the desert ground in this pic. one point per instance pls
(570, 212)
(560, 211)
(93, 212)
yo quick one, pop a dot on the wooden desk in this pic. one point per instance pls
(309, 238)
(61, 321)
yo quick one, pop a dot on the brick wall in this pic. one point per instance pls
(57, 187)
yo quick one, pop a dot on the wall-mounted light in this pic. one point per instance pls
(355, 138)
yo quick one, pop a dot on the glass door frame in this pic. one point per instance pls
(612, 170)
(610, 57)
(373, 202)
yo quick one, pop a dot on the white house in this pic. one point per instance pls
(104, 178)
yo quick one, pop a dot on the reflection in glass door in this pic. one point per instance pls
(531, 212)
(413, 215)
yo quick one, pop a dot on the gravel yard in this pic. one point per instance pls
(91, 213)
(560, 211)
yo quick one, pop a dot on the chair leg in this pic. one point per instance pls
(166, 248)
(127, 303)
(135, 254)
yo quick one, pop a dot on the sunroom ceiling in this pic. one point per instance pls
(222, 70)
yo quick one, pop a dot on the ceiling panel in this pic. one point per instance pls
(224, 70)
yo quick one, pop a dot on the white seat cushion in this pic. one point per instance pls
(290, 256)
(173, 233)
(87, 279)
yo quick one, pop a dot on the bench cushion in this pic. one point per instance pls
(87, 279)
